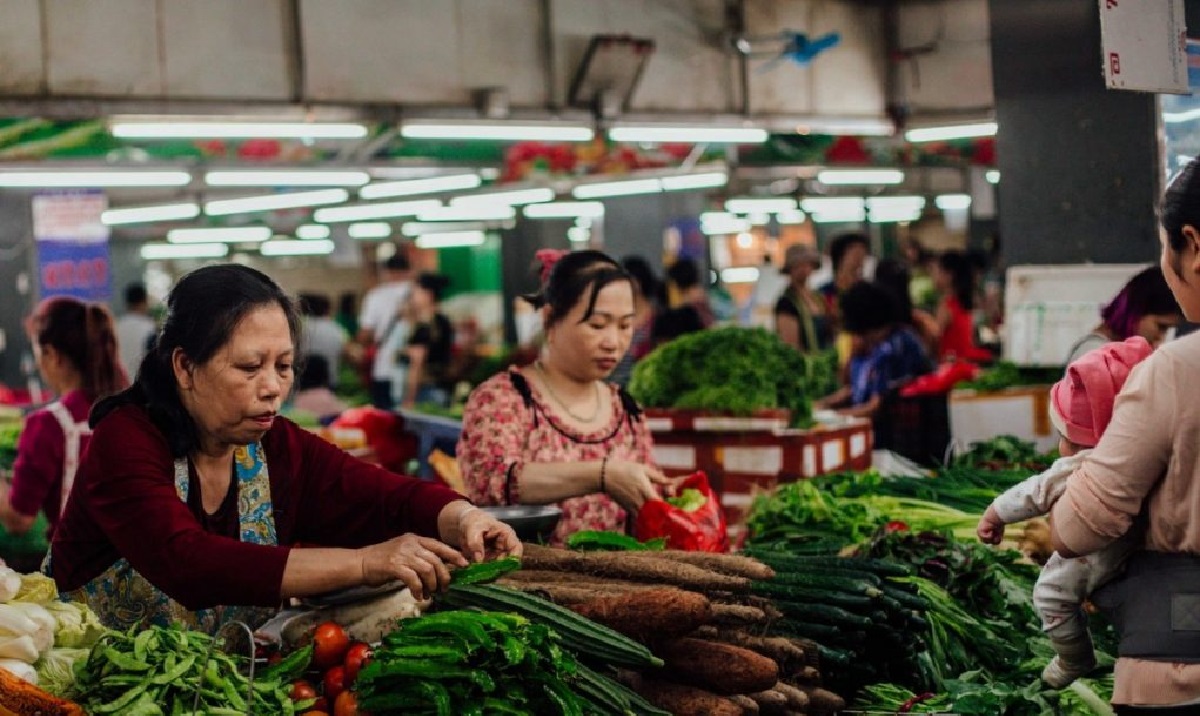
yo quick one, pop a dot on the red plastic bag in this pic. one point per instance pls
(696, 527)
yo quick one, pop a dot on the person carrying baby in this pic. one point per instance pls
(1081, 406)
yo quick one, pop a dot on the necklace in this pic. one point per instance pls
(561, 403)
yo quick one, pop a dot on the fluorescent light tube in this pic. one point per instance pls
(659, 134)
(312, 231)
(732, 225)
(844, 216)
(953, 202)
(450, 239)
(818, 204)
(291, 247)
(156, 252)
(944, 134)
(896, 203)
(498, 131)
(135, 129)
(790, 217)
(370, 230)
(578, 235)
(420, 228)
(504, 198)
(468, 213)
(292, 177)
(566, 210)
(432, 185)
(740, 274)
(272, 202)
(683, 182)
(760, 206)
(627, 187)
(148, 214)
(992, 175)
(1185, 116)
(92, 179)
(860, 176)
(367, 212)
(229, 235)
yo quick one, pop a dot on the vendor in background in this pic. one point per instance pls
(556, 432)
(380, 311)
(886, 351)
(1144, 307)
(322, 336)
(648, 303)
(954, 325)
(135, 328)
(691, 311)
(313, 395)
(426, 354)
(193, 491)
(801, 317)
(76, 350)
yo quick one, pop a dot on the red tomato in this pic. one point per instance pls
(335, 682)
(329, 645)
(321, 704)
(302, 690)
(346, 704)
(357, 657)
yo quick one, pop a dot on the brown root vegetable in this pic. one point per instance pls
(574, 579)
(619, 566)
(557, 593)
(796, 699)
(737, 615)
(680, 699)
(728, 564)
(781, 649)
(749, 705)
(720, 668)
(770, 701)
(821, 701)
(808, 676)
(649, 616)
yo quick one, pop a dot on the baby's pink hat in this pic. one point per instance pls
(1081, 404)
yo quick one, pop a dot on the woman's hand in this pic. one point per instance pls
(631, 483)
(482, 536)
(419, 562)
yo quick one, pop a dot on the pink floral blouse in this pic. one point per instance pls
(503, 430)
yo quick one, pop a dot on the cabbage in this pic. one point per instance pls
(36, 588)
(20, 648)
(78, 626)
(10, 584)
(20, 669)
(43, 637)
(56, 670)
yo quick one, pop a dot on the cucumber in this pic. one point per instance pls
(801, 595)
(823, 614)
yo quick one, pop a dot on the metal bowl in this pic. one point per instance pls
(533, 523)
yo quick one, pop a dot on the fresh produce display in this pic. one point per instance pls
(23, 552)
(1004, 375)
(41, 637)
(589, 540)
(736, 370)
(1005, 452)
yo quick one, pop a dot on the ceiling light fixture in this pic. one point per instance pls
(565, 210)
(291, 177)
(953, 202)
(150, 214)
(468, 213)
(504, 198)
(432, 185)
(161, 252)
(420, 228)
(368, 212)
(312, 231)
(740, 274)
(684, 182)
(291, 247)
(790, 217)
(228, 235)
(660, 134)
(992, 176)
(450, 239)
(498, 131)
(839, 177)
(168, 129)
(627, 187)
(273, 202)
(945, 134)
(773, 205)
(92, 179)
(370, 230)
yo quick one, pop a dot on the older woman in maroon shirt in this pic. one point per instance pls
(194, 494)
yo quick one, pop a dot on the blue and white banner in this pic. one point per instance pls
(72, 245)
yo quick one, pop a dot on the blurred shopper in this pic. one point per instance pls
(313, 395)
(135, 329)
(380, 313)
(848, 256)
(692, 311)
(75, 345)
(347, 313)
(648, 302)
(1144, 307)
(886, 353)
(427, 348)
(954, 279)
(918, 261)
(801, 316)
(322, 336)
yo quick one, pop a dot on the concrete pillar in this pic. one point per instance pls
(17, 266)
(1080, 171)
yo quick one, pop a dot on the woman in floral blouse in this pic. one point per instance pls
(556, 431)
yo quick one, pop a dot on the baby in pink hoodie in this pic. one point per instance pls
(1081, 406)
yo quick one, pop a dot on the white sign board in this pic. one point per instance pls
(1143, 45)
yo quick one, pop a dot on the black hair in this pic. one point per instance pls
(315, 373)
(135, 295)
(315, 304)
(841, 244)
(573, 276)
(867, 306)
(1146, 294)
(434, 283)
(397, 262)
(962, 277)
(1181, 207)
(893, 276)
(347, 303)
(684, 273)
(648, 284)
(203, 310)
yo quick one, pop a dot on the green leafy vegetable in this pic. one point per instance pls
(689, 500)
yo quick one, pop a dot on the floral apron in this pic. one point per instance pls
(124, 599)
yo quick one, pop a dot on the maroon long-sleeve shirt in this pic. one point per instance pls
(124, 504)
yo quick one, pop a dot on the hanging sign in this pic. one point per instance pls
(1143, 43)
(72, 245)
